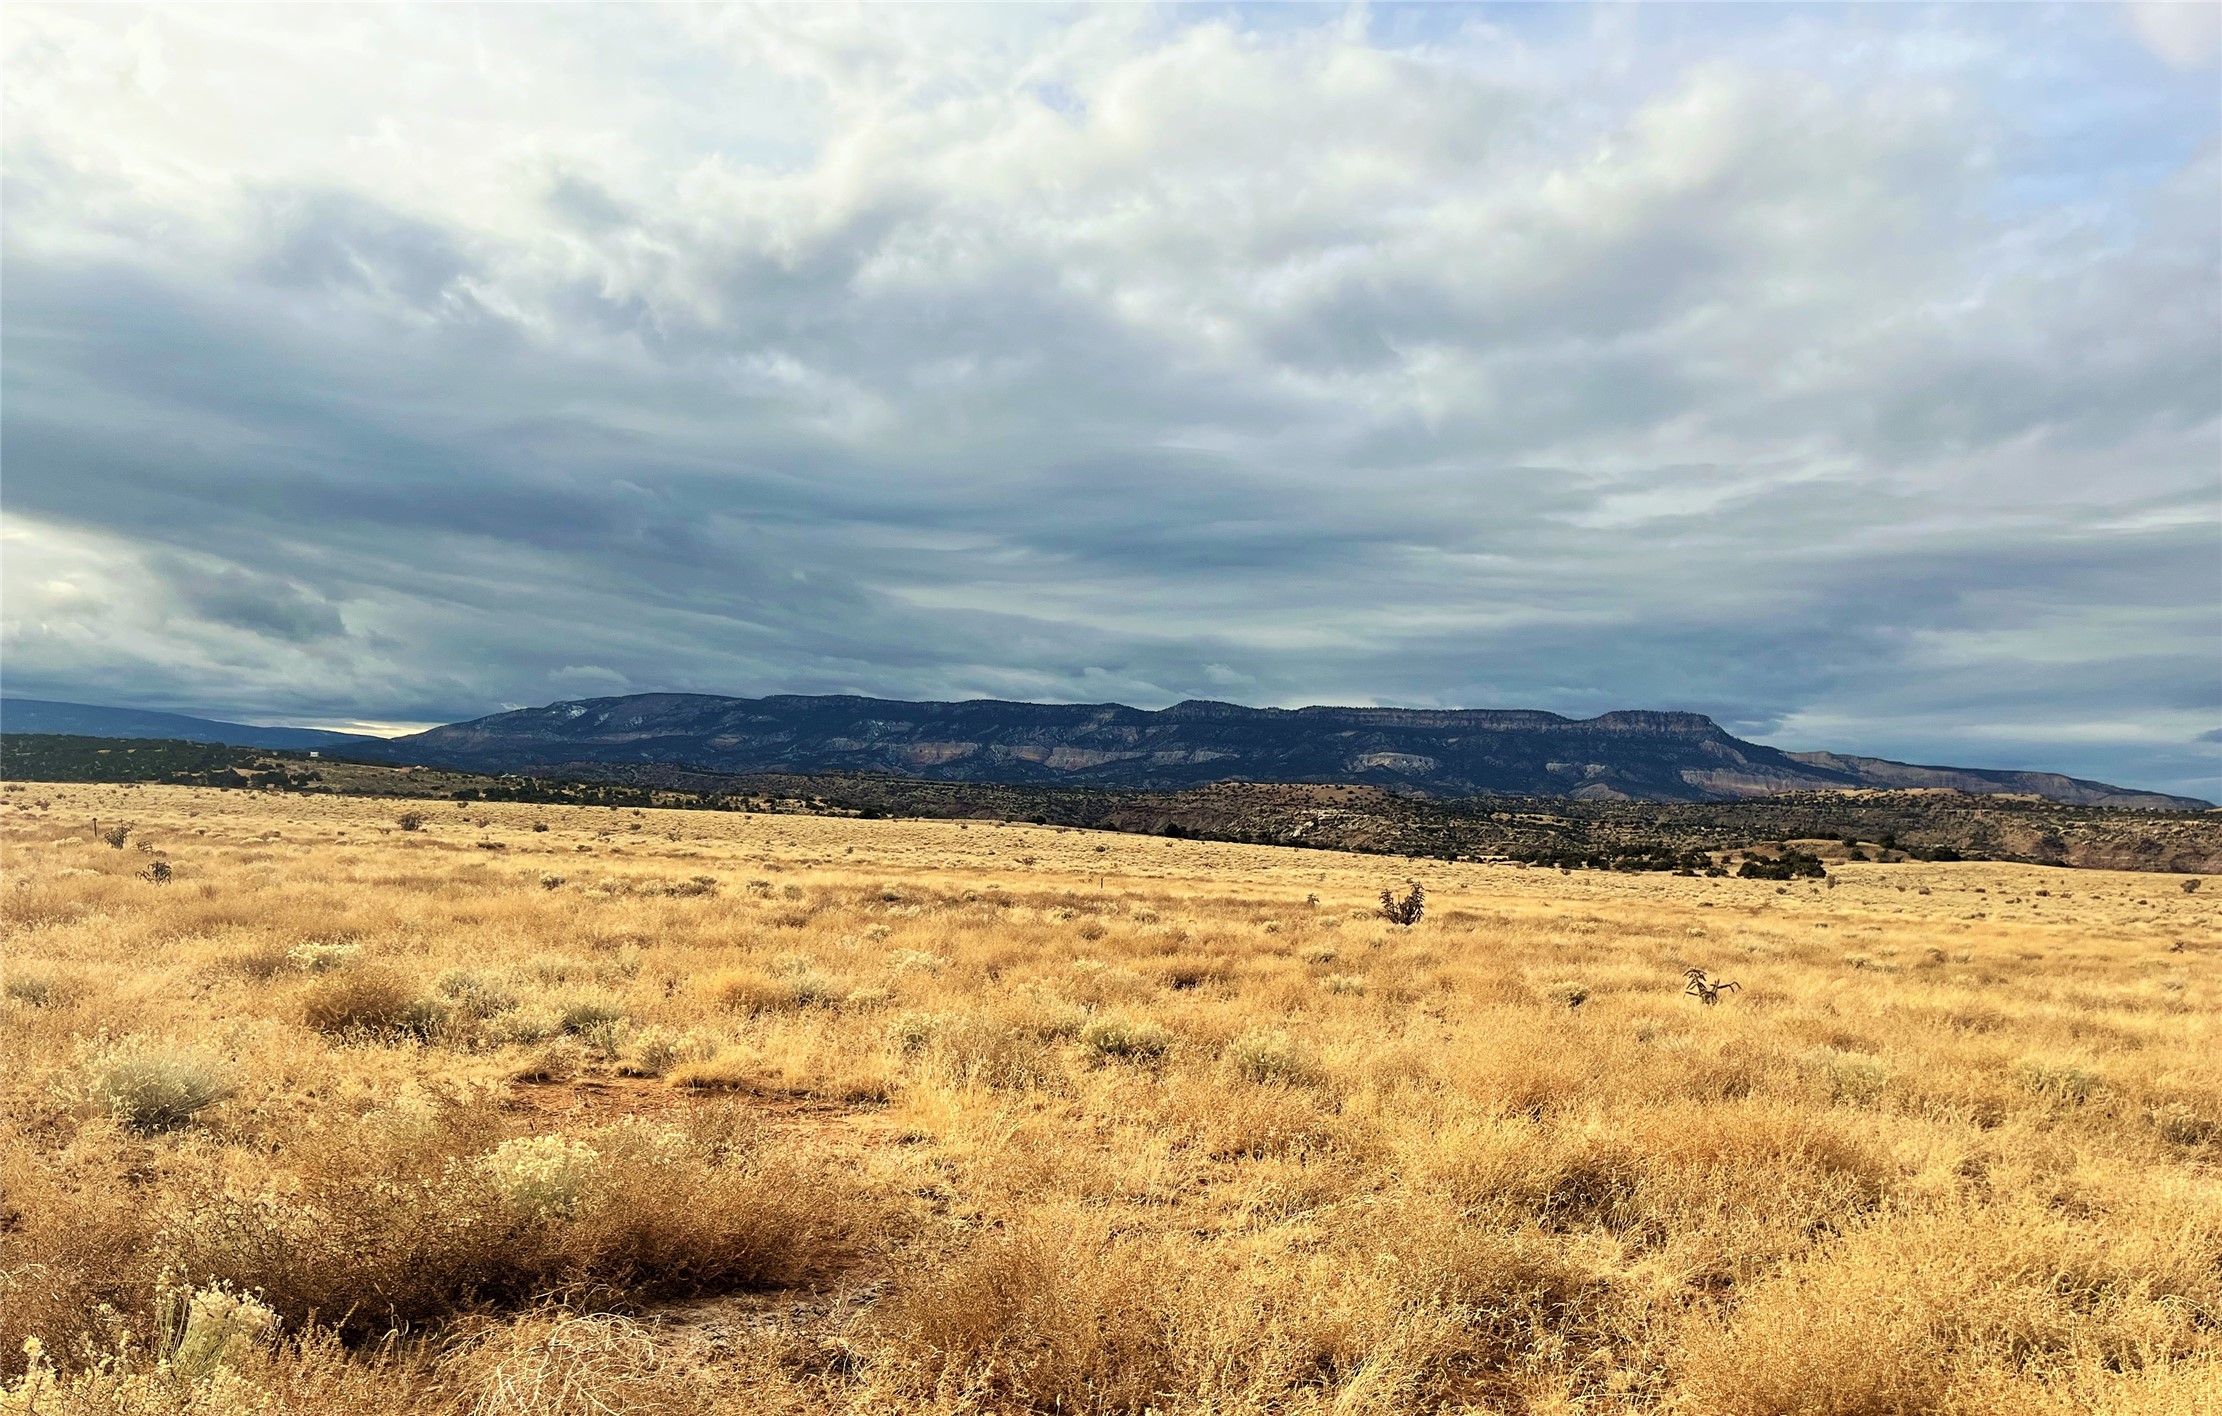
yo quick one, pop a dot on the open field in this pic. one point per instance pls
(1887, 826)
(684, 1112)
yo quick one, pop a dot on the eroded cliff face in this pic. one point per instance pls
(1638, 756)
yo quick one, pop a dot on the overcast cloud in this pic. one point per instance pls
(1854, 376)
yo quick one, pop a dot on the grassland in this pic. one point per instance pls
(544, 1109)
(1696, 837)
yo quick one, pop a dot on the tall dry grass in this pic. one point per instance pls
(677, 1112)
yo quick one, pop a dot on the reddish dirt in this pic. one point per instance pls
(598, 1101)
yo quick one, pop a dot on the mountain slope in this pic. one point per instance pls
(39, 715)
(1881, 772)
(1647, 756)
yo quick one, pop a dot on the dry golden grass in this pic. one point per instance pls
(680, 1112)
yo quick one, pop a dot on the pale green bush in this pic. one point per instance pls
(428, 1018)
(39, 990)
(2060, 1081)
(212, 1328)
(474, 994)
(1851, 1077)
(150, 1087)
(1124, 1039)
(524, 1026)
(542, 1177)
(320, 956)
(1270, 1057)
(605, 1040)
(557, 1060)
(912, 1032)
(657, 1050)
(584, 1014)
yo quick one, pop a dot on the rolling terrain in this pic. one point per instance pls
(38, 715)
(1882, 826)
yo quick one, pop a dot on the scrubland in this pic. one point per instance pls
(556, 1110)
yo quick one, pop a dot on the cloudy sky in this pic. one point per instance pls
(1852, 375)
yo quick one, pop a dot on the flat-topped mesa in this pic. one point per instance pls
(1448, 752)
(1634, 720)
(1651, 720)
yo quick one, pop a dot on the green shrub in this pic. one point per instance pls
(523, 1025)
(558, 1060)
(212, 1328)
(39, 990)
(656, 1051)
(151, 1087)
(1790, 865)
(473, 994)
(1270, 1058)
(583, 1015)
(2059, 1081)
(542, 1177)
(1567, 993)
(1124, 1039)
(911, 1032)
(427, 1018)
(322, 956)
(1406, 911)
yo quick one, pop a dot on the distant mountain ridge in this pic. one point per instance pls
(40, 715)
(1630, 755)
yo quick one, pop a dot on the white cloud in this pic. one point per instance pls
(2186, 34)
(433, 358)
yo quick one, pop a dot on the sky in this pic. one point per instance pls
(1853, 375)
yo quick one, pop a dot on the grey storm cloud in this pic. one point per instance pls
(1825, 372)
(243, 599)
